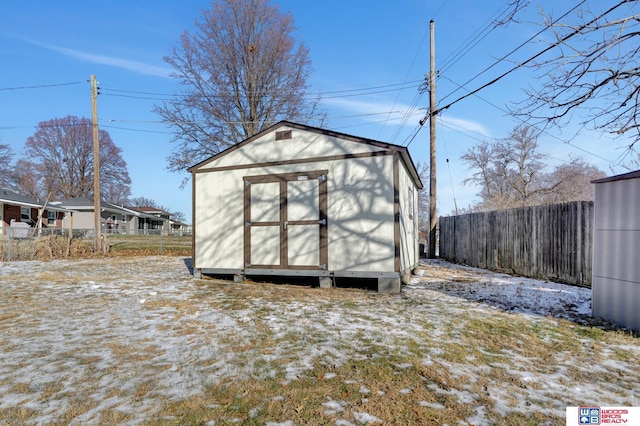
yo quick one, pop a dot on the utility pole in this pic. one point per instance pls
(97, 247)
(432, 142)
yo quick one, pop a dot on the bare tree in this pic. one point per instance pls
(7, 170)
(178, 216)
(489, 174)
(143, 202)
(506, 170)
(520, 150)
(60, 161)
(572, 182)
(27, 179)
(242, 70)
(511, 173)
(592, 72)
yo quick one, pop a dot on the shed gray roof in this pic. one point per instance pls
(630, 175)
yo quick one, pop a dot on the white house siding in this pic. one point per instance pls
(81, 220)
(616, 265)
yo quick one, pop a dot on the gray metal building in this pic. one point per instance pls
(616, 254)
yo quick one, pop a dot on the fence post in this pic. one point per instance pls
(9, 236)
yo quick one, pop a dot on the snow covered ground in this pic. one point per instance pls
(511, 294)
(86, 341)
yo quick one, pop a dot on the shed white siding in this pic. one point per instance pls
(360, 210)
(616, 258)
(409, 252)
(304, 145)
(364, 192)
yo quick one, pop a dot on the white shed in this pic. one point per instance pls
(304, 201)
(616, 254)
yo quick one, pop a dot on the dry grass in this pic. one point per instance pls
(44, 248)
(149, 245)
(49, 247)
(325, 394)
(138, 341)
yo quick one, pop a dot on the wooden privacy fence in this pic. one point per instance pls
(550, 242)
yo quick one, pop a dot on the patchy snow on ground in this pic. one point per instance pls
(124, 334)
(506, 292)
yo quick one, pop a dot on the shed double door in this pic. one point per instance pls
(285, 218)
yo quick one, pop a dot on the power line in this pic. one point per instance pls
(138, 97)
(193, 122)
(134, 130)
(322, 95)
(367, 123)
(439, 9)
(520, 65)
(520, 46)
(545, 132)
(473, 40)
(446, 153)
(42, 86)
(465, 48)
(415, 133)
(457, 54)
(159, 96)
(236, 122)
(325, 94)
(417, 96)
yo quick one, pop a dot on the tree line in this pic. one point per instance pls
(57, 164)
(512, 172)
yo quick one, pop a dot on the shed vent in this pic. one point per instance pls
(283, 134)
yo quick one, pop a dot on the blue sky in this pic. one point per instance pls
(368, 58)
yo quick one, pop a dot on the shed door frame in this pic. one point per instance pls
(283, 223)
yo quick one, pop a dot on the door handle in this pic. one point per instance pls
(284, 225)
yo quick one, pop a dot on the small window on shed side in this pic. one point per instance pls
(283, 134)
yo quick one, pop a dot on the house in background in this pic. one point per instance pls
(18, 208)
(77, 213)
(175, 227)
(153, 211)
(113, 218)
(616, 270)
(304, 201)
(180, 228)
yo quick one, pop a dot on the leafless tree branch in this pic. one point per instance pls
(242, 70)
(592, 76)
